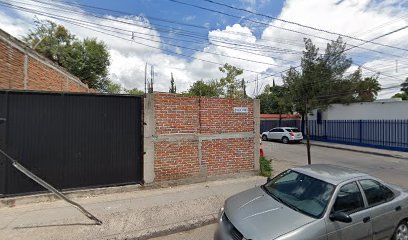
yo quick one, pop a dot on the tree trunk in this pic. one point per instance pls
(309, 160)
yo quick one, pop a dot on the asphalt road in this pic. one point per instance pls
(389, 169)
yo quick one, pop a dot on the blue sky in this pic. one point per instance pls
(194, 53)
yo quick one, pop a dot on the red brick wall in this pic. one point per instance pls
(11, 67)
(228, 156)
(176, 160)
(185, 120)
(176, 114)
(217, 116)
(42, 75)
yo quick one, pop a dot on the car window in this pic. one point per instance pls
(280, 130)
(375, 192)
(301, 192)
(349, 199)
(295, 130)
(273, 130)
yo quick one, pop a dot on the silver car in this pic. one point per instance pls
(284, 134)
(319, 202)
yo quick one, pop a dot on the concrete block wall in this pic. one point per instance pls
(21, 68)
(188, 137)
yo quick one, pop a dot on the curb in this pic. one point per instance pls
(10, 202)
(360, 151)
(168, 229)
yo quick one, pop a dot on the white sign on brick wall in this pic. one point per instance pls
(240, 110)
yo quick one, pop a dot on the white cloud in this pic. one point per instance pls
(365, 19)
(361, 18)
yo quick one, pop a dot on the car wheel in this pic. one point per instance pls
(264, 137)
(401, 233)
(285, 140)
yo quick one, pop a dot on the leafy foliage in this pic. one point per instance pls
(323, 80)
(275, 100)
(88, 59)
(113, 88)
(404, 89)
(234, 88)
(201, 88)
(265, 167)
(134, 91)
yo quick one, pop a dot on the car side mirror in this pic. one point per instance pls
(340, 217)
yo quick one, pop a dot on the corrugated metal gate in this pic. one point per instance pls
(70, 140)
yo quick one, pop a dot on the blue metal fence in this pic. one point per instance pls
(386, 134)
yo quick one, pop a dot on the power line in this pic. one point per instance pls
(221, 64)
(305, 26)
(151, 40)
(282, 28)
(246, 45)
(187, 33)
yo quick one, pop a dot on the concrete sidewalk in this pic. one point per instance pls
(375, 151)
(141, 214)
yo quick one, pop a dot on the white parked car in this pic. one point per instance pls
(284, 134)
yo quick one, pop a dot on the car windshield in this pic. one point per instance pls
(300, 192)
(292, 130)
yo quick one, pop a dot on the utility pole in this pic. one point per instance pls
(309, 159)
(151, 79)
(146, 78)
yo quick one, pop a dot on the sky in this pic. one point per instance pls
(192, 42)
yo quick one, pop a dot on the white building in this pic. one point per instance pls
(384, 109)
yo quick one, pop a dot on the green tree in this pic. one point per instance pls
(88, 59)
(113, 88)
(230, 82)
(322, 81)
(274, 100)
(403, 96)
(134, 91)
(173, 88)
(201, 88)
(404, 89)
(404, 86)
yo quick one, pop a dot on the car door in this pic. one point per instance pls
(281, 132)
(349, 200)
(383, 210)
(273, 133)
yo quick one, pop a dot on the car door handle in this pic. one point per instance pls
(398, 208)
(366, 219)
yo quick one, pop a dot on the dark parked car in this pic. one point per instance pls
(317, 202)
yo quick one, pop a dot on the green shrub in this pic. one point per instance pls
(265, 165)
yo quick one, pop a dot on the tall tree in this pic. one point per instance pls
(274, 100)
(230, 82)
(243, 87)
(172, 85)
(88, 59)
(323, 81)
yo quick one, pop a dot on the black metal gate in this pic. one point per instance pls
(70, 140)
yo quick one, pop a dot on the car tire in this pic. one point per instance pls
(264, 138)
(285, 140)
(401, 232)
